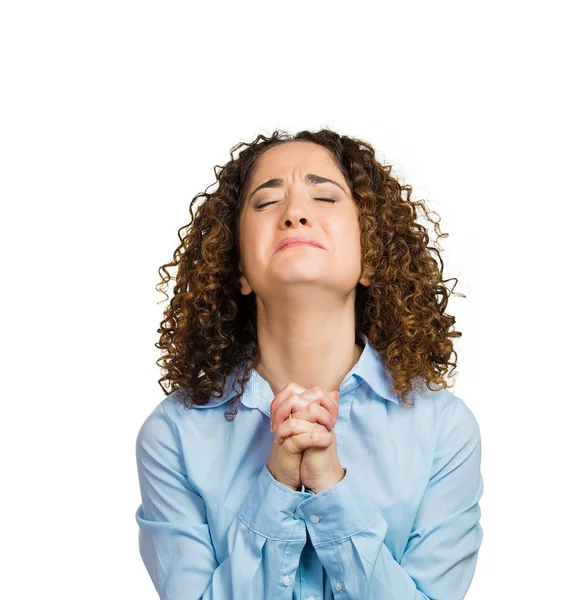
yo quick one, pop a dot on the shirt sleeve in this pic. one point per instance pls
(264, 540)
(440, 558)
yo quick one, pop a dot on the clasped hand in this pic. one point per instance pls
(320, 467)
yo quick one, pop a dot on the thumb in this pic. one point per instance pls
(335, 394)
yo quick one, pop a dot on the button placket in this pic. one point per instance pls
(345, 406)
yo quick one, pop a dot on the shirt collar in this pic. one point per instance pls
(258, 394)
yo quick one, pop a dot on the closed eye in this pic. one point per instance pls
(272, 201)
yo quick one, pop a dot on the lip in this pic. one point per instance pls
(297, 240)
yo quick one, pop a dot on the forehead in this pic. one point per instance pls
(294, 156)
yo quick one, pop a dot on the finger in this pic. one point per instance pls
(288, 390)
(315, 413)
(311, 439)
(295, 426)
(329, 400)
(291, 403)
(294, 402)
(302, 434)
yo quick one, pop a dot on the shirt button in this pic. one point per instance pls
(338, 585)
(311, 598)
(314, 519)
(286, 580)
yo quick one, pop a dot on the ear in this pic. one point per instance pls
(363, 279)
(243, 284)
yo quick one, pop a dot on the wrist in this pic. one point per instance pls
(322, 486)
(292, 486)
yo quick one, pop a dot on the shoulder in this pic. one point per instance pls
(459, 415)
(162, 423)
(156, 428)
(444, 413)
(457, 425)
(173, 423)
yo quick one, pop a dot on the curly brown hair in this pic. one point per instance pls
(209, 327)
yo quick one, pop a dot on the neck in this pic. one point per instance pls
(309, 347)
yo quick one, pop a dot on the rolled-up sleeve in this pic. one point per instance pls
(264, 540)
(440, 558)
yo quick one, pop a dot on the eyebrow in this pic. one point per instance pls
(309, 178)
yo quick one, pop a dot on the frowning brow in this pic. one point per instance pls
(309, 178)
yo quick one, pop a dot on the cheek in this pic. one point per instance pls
(347, 237)
(256, 242)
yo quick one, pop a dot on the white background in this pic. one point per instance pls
(113, 116)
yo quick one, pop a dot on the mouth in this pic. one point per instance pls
(299, 244)
(298, 241)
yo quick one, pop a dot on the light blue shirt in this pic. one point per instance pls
(403, 524)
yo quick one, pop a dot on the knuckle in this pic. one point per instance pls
(285, 392)
(316, 437)
(296, 388)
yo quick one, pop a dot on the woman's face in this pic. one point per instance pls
(300, 205)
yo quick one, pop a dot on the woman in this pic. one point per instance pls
(344, 474)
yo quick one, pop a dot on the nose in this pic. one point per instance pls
(296, 210)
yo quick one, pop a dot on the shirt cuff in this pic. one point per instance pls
(269, 509)
(338, 512)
